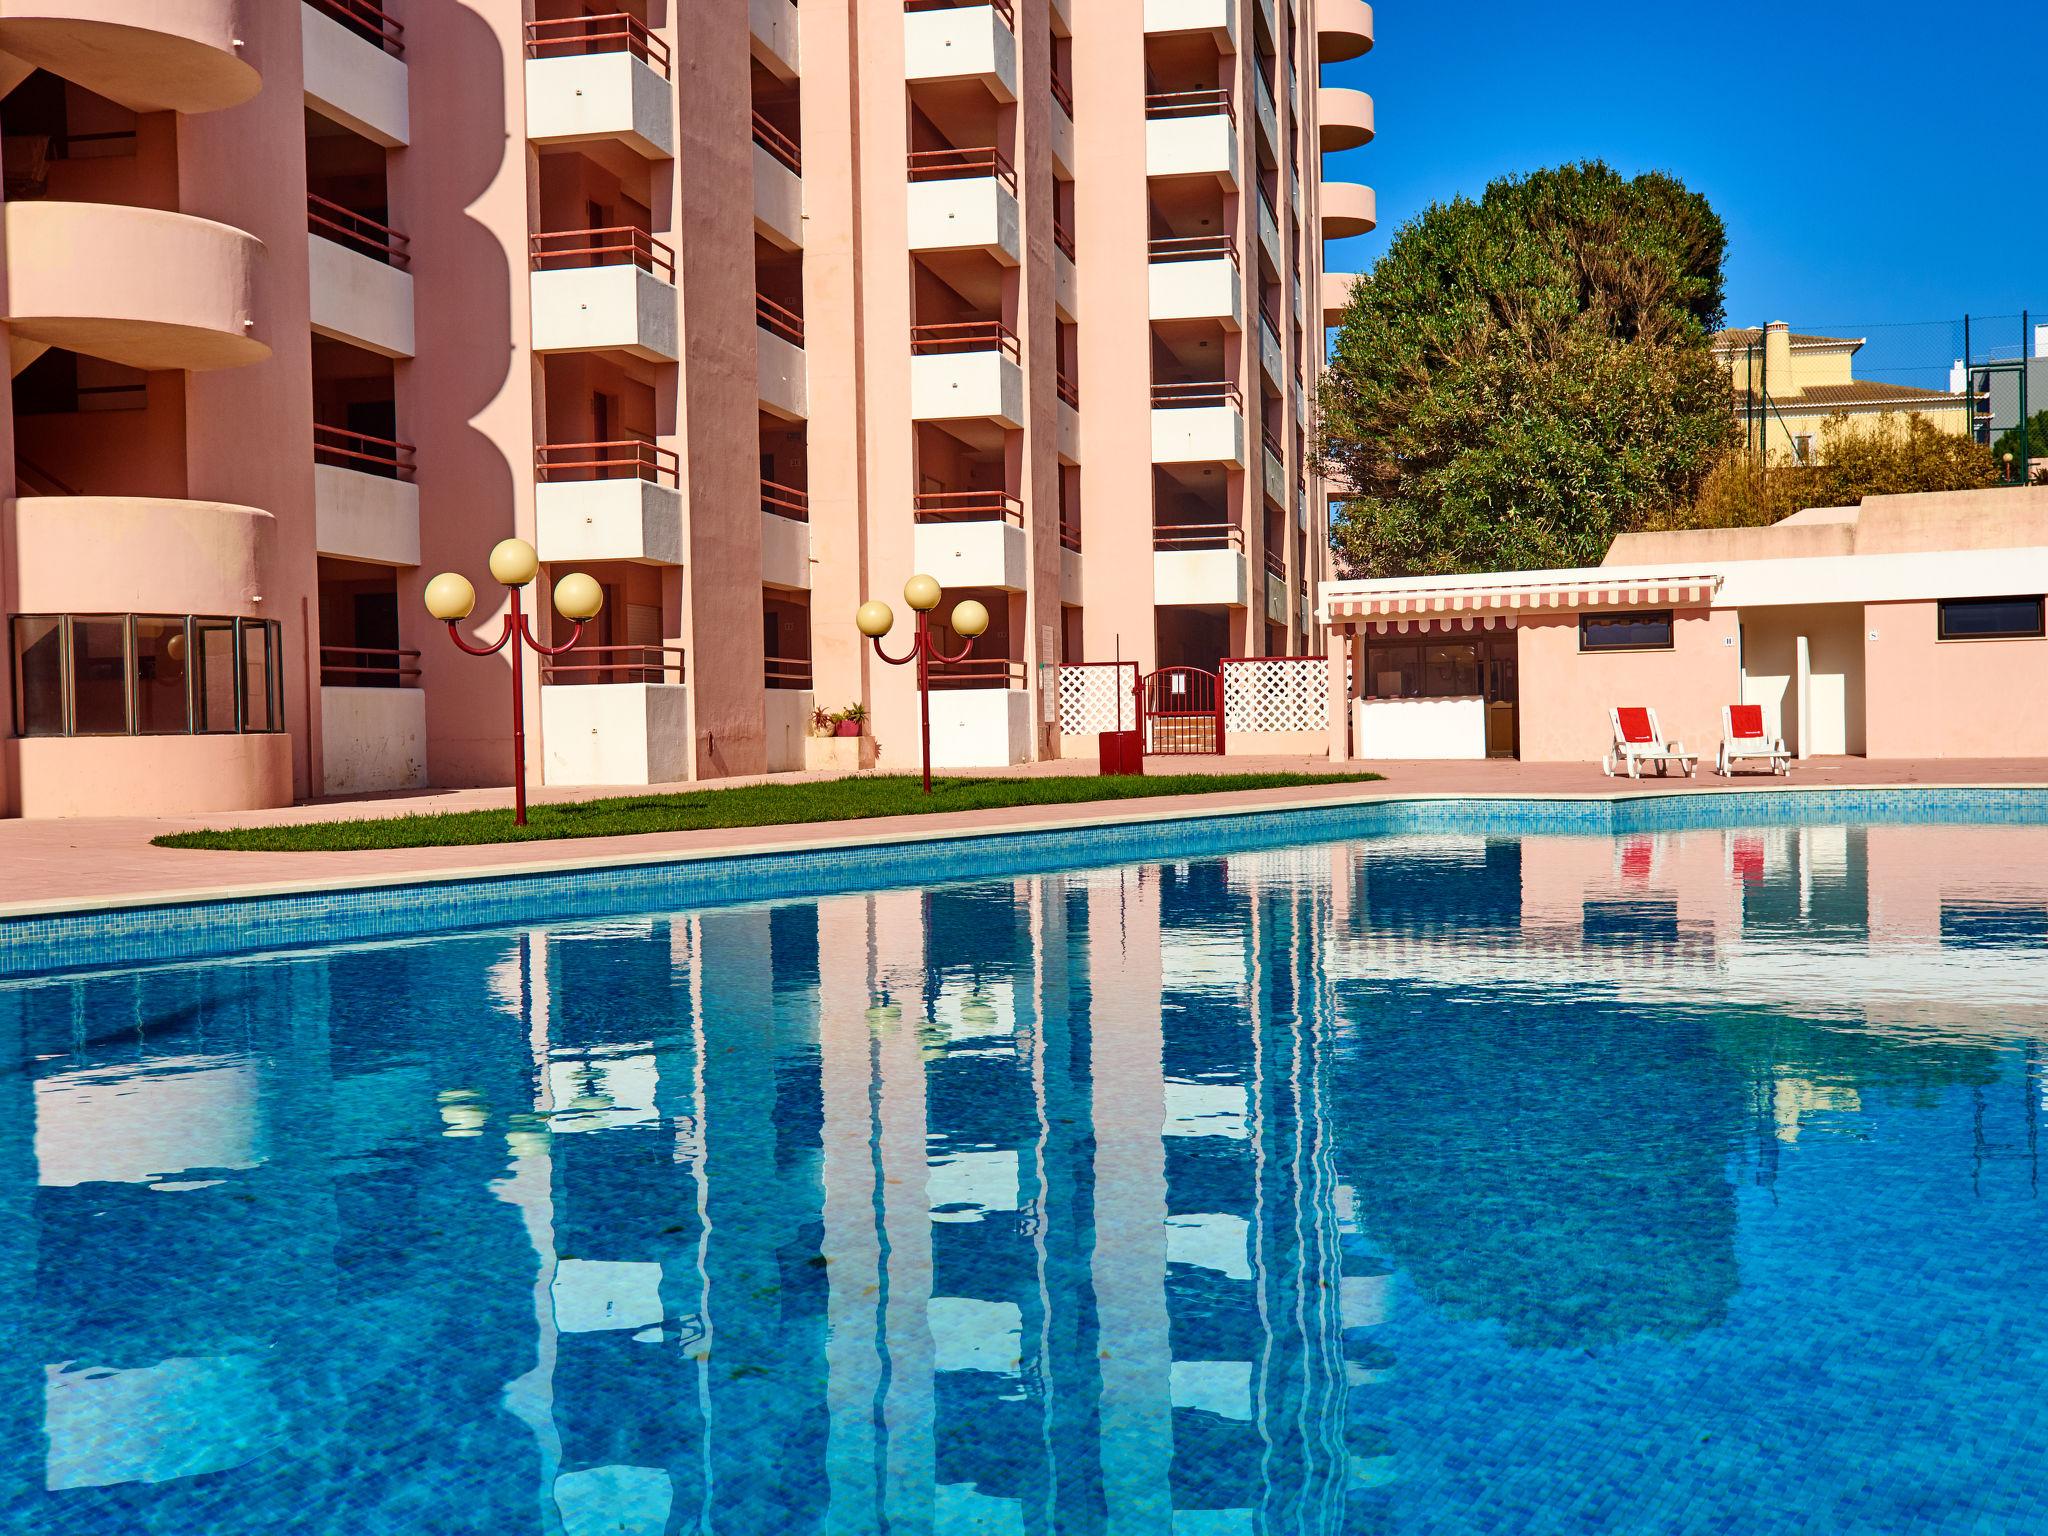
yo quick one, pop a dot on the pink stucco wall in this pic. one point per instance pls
(1565, 695)
(1957, 698)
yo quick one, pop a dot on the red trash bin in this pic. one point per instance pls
(1121, 752)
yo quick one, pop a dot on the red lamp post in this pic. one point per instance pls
(452, 599)
(923, 593)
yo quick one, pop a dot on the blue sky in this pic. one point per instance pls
(1870, 158)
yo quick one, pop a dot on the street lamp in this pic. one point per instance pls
(923, 593)
(578, 597)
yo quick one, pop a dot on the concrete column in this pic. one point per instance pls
(1342, 640)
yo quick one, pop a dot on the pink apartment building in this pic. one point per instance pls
(748, 310)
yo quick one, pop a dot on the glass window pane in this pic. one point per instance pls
(1450, 671)
(99, 676)
(161, 701)
(1393, 671)
(1625, 631)
(213, 678)
(1991, 618)
(256, 691)
(39, 676)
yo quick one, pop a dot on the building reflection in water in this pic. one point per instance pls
(1216, 1197)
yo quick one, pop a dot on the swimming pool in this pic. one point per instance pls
(1436, 1179)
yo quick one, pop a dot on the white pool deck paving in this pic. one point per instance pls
(100, 862)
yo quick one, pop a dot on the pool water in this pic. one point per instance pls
(1425, 1183)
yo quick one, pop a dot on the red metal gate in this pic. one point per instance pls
(1183, 712)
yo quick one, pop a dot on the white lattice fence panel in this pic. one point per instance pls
(1283, 694)
(1098, 697)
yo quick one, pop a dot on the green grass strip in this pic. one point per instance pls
(746, 805)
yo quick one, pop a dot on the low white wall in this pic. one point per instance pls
(615, 733)
(580, 309)
(365, 517)
(579, 97)
(1218, 16)
(956, 386)
(608, 520)
(353, 81)
(1192, 146)
(1197, 290)
(773, 24)
(964, 213)
(1198, 434)
(785, 552)
(782, 376)
(1419, 729)
(778, 194)
(372, 739)
(990, 554)
(1203, 576)
(979, 728)
(969, 42)
(358, 298)
(787, 719)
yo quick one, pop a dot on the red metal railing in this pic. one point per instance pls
(1063, 93)
(1193, 248)
(960, 164)
(627, 459)
(969, 507)
(358, 666)
(786, 671)
(978, 672)
(343, 449)
(1063, 239)
(1272, 444)
(367, 21)
(965, 336)
(788, 501)
(617, 33)
(1070, 534)
(612, 247)
(1270, 327)
(1276, 562)
(777, 320)
(357, 230)
(1064, 386)
(616, 664)
(1190, 104)
(778, 144)
(1195, 392)
(31, 479)
(1173, 536)
(1003, 8)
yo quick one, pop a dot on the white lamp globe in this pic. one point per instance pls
(513, 562)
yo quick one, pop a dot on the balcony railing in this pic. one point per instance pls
(1269, 328)
(965, 336)
(1184, 536)
(1193, 248)
(786, 671)
(1063, 239)
(1272, 444)
(1190, 104)
(1003, 8)
(969, 507)
(975, 672)
(961, 165)
(340, 448)
(1276, 562)
(366, 21)
(790, 501)
(615, 664)
(612, 247)
(778, 320)
(356, 231)
(1063, 93)
(617, 33)
(629, 459)
(1190, 393)
(1064, 386)
(778, 144)
(1070, 534)
(357, 666)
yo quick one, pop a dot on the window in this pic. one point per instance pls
(1625, 631)
(1991, 618)
(120, 674)
(1802, 448)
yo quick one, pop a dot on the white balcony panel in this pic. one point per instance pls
(1068, 435)
(1070, 576)
(990, 554)
(1270, 357)
(963, 43)
(356, 298)
(608, 520)
(773, 26)
(980, 727)
(372, 739)
(1062, 23)
(963, 386)
(1216, 17)
(581, 98)
(357, 516)
(1203, 434)
(1269, 119)
(615, 733)
(785, 553)
(1198, 290)
(1206, 577)
(1336, 295)
(966, 213)
(353, 81)
(1276, 599)
(1276, 476)
(1269, 235)
(622, 308)
(1062, 142)
(1192, 146)
(1066, 287)
(778, 200)
(784, 390)
(1300, 404)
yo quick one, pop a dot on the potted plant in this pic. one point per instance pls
(823, 722)
(848, 721)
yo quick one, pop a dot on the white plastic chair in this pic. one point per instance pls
(1743, 740)
(1638, 743)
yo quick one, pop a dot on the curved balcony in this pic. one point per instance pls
(1343, 30)
(1348, 209)
(149, 555)
(1336, 295)
(1343, 117)
(132, 285)
(166, 56)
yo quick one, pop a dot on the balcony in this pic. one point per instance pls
(946, 41)
(156, 58)
(1343, 118)
(1269, 119)
(781, 373)
(1062, 127)
(358, 287)
(365, 506)
(353, 57)
(981, 715)
(1348, 209)
(1336, 295)
(1271, 358)
(1066, 284)
(1191, 133)
(1276, 591)
(604, 290)
(615, 714)
(772, 25)
(592, 78)
(785, 537)
(1196, 278)
(1198, 565)
(608, 501)
(778, 185)
(1067, 412)
(138, 286)
(972, 539)
(1218, 18)
(373, 721)
(1199, 422)
(1343, 30)
(1273, 460)
(1269, 230)
(966, 371)
(964, 200)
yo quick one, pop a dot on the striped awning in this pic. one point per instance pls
(1535, 592)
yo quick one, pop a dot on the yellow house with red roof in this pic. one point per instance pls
(1788, 386)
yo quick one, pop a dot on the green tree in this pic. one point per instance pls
(2037, 443)
(1522, 378)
